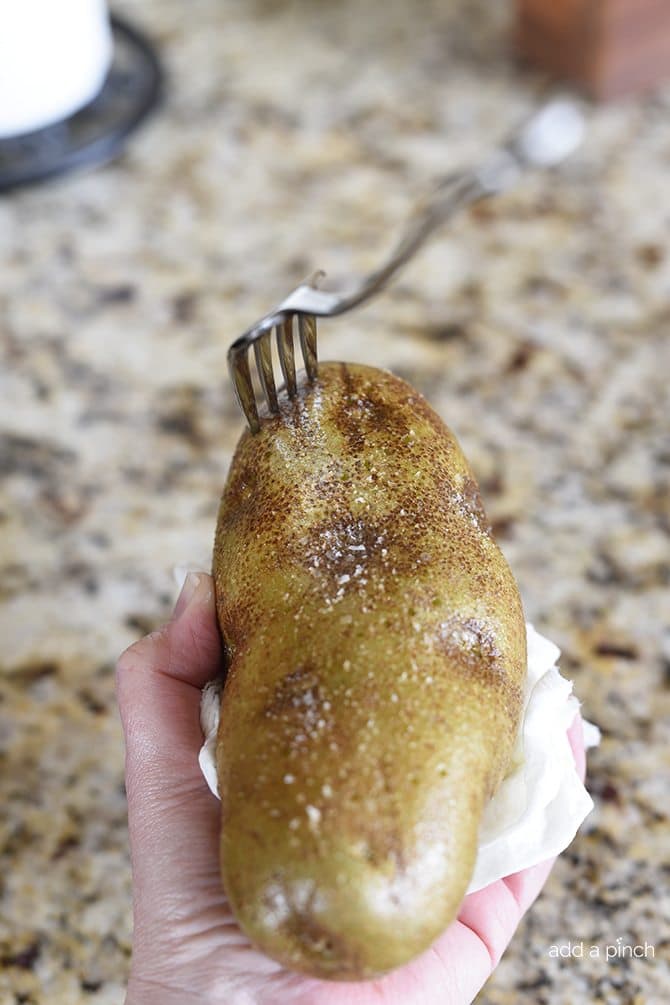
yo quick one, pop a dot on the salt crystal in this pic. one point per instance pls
(314, 816)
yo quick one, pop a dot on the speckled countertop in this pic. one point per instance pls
(295, 136)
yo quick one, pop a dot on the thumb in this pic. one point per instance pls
(158, 686)
(171, 813)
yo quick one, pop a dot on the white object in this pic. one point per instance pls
(554, 133)
(209, 721)
(538, 807)
(54, 57)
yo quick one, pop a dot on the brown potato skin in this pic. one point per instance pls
(376, 654)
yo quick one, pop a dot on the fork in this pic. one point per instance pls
(552, 133)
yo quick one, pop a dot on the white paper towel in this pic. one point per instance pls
(539, 806)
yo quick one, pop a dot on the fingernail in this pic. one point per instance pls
(181, 571)
(188, 591)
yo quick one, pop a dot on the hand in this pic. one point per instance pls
(187, 947)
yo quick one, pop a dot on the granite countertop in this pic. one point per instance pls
(295, 136)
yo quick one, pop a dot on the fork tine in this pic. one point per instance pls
(241, 377)
(307, 331)
(286, 354)
(263, 354)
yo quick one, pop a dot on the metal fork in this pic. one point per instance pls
(545, 139)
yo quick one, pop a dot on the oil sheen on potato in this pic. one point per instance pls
(376, 653)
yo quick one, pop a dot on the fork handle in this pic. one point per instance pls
(545, 139)
(452, 193)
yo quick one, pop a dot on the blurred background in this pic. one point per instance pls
(295, 136)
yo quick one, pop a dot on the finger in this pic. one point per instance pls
(492, 914)
(172, 816)
(451, 972)
(525, 886)
(158, 685)
(576, 738)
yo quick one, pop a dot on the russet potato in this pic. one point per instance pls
(376, 653)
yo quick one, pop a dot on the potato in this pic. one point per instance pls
(376, 652)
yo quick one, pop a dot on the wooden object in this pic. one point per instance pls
(608, 48)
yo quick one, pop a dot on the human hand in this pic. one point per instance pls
(187, 947)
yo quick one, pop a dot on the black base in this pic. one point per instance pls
(98, 132)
